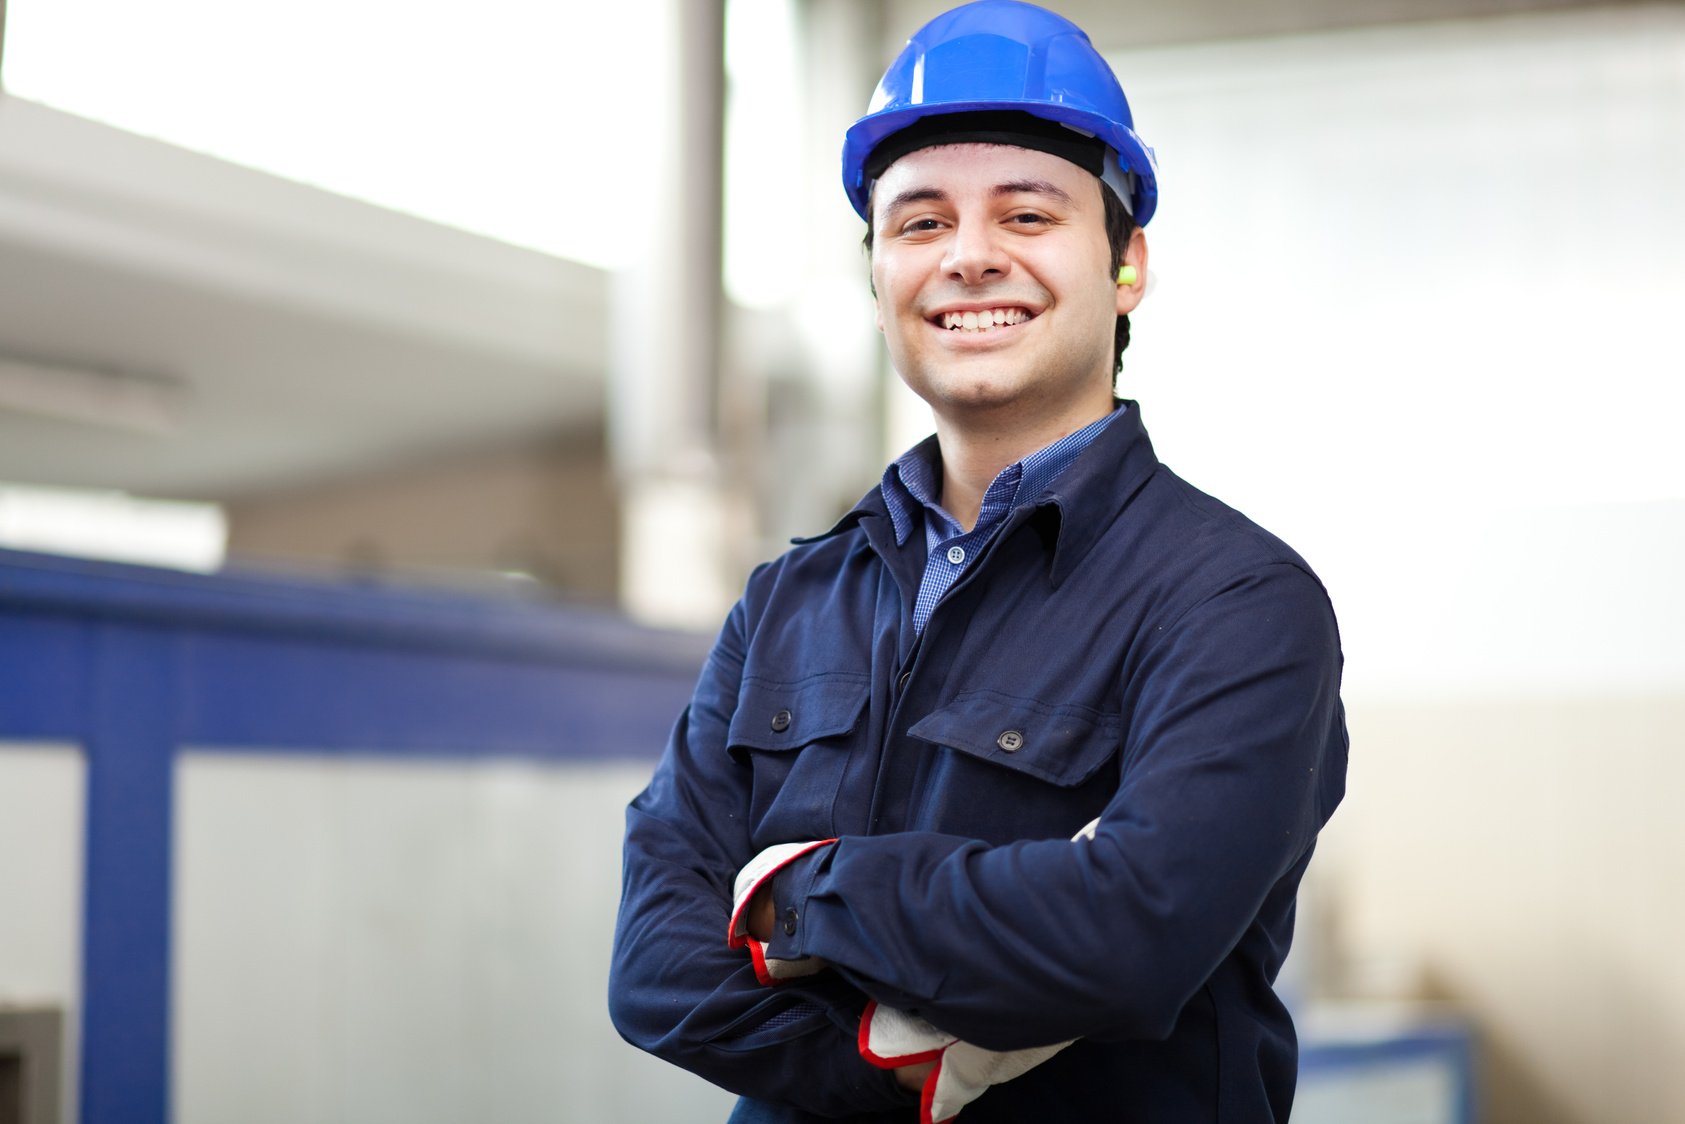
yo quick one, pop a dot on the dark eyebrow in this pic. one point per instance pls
(916, 195)
(1011, 187)
(1032, 187)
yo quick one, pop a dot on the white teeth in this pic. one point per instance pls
(983, 321)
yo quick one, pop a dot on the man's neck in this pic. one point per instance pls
(975, 451)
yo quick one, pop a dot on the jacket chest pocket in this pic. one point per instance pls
(795, 736)
(1016, 768)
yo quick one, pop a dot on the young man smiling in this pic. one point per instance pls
(994, 799)
(1018, 236)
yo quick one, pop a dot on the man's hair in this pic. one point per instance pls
(1119, 226)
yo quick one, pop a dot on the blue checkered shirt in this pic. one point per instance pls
(912, 489)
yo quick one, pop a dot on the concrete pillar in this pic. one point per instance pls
(681, 512)
(829, 446)
(733, 431)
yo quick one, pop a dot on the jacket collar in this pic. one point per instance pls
(1085, 500)
(1090, 496)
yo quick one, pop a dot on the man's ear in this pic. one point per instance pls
(1135, 254)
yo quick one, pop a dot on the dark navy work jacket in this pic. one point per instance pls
(1127, 648)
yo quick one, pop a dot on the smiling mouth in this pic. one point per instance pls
(985, 320)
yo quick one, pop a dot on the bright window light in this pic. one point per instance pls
(764, 103)
(90, 523)
(517, 120)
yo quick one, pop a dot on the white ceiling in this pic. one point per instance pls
(1120, 25)
(311, 335)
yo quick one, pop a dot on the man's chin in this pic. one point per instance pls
(979, 396)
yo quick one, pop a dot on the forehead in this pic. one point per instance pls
(960, 170)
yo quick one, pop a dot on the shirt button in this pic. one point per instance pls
(781, 721)
(956, 554)
(790, 916)
(1011, 741)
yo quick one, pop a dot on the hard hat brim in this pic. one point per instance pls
(870, 131)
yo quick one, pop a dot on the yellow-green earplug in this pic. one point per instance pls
(1126, 275)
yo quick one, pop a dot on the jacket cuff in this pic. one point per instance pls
(791, 884)
(761, 870)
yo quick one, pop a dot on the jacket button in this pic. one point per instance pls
(781, 721)
(1011, 741)
(790, 916)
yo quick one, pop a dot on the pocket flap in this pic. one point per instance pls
(1064, 745)
(773, 715)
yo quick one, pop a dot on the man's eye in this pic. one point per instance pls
(921, 226)
(1028, 218)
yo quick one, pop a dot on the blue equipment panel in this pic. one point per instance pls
(133, 663)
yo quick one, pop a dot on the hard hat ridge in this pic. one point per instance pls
(1003, 55)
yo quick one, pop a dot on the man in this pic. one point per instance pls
(851, 889)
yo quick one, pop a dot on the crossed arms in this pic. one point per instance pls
(1223, 785)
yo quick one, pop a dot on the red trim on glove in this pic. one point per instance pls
(737, 940)
(883, 1061)
(927, 1096)
(757, 957)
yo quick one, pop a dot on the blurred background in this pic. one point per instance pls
(393, 397)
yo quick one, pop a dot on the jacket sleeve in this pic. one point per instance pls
(675, 988)
(1234, 756)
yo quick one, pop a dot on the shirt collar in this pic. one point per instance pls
(912, 483)
(1083, 502)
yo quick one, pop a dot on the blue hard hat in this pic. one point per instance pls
(1002, 55)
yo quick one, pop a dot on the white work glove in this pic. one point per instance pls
(750, 879)
(890, 1039)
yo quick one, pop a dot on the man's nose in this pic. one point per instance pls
(975, 254)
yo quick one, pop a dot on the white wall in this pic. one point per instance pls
(361, 941)
(1521, 858)
(42, 787)
(1416, 306)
